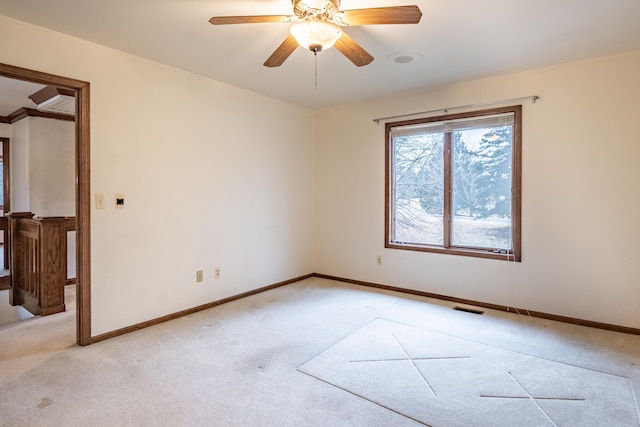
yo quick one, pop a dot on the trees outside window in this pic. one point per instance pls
(453, 184)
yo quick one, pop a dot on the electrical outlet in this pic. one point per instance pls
(216, 273)
(199, 276)
(379, 260)
(99, 200)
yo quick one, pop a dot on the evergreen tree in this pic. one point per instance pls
(494, 153)
(467, 174)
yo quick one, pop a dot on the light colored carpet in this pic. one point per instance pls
(27, 343)
(9, 313)
(323, 353)
(438, 379)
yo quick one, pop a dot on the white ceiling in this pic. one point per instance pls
(457, 39)
(14, 94)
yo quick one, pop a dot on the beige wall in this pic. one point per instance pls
(51, 167)
(5, 130)
(581, 195)
(43, 167)
(213, 176)
(19, 166)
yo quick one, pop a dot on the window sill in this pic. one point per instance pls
(477, 253)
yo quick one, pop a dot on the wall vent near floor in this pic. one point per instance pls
(468, 310)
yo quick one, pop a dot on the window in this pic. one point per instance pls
(453, 184)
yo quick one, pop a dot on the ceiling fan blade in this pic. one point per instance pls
(353, 51)
(282, 52)
(224, 20)
(382, 15)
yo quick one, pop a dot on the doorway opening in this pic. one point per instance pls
(82, 188)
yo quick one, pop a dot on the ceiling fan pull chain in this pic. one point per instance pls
(315, 55)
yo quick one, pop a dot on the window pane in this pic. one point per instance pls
(418, 195)
(481, 188)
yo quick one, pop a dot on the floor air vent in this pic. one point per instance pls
(468, 310)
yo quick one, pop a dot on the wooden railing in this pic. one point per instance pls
(38, 261)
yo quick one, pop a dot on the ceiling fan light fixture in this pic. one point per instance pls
(316, 35)
(316, 25)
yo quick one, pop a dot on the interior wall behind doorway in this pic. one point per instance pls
(43, 167)
(43, 172)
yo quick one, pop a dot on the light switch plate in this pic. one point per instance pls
(119, 201)
(99, 200)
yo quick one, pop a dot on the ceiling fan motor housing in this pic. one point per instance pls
(315, 8)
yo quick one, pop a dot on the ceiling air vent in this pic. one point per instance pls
(56, 100)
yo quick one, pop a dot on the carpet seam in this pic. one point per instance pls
(339, 341)
(505, 349)
(365, 398)
(635, 400)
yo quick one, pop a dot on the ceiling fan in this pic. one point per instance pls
(317, 25)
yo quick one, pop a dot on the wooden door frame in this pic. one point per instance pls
(6, 171)
(83, 195)
(6, 203)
